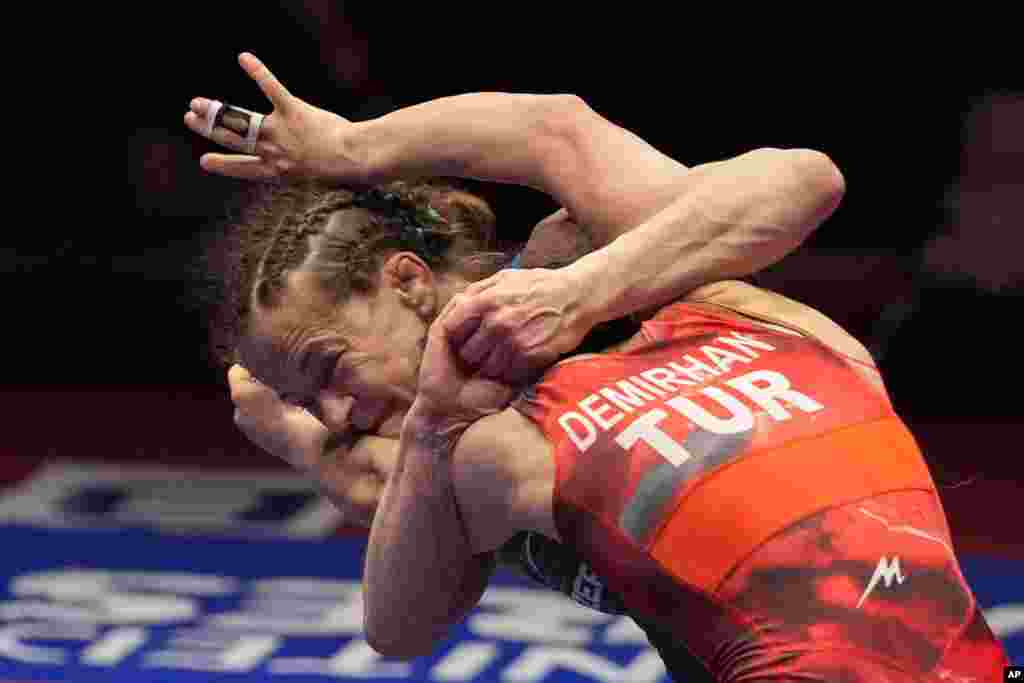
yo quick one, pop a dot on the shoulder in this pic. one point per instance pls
(504, 477)
(770, 307)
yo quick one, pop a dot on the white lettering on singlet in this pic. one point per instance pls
(645, 428)
(571, 422)
(597, 412)
(765, 388)
(740, 419)
(629, 398)
(666, 379)
(776, 388)
(727, 407)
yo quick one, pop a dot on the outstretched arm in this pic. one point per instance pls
(608, 178)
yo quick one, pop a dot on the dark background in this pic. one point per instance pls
(922, 260)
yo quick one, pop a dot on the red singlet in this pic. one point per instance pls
(756, 501)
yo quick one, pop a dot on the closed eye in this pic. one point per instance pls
(298, 401)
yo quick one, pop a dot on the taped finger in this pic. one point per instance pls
(212, 112)
(244, 123)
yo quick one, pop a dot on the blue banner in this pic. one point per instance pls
(87, 605)
(134, 605)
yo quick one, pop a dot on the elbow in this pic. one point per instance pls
(397, 640)
(810, 177)
(561, 118)
(821, 178)
(560, 127)
(562, 113)
(397, 649)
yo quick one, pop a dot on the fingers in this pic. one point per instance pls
(497, 364)
(252, 397)
(476, 327)
(240, 166)
(200, 106)
(224, 137)
(497, 327)
(240, 379)
(499, 350)
(483, 340)
(475, 288)
(463, 316)
(271, 87)
(249, 395)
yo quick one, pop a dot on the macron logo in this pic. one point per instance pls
(887, 571)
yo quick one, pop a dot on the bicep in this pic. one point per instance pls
(504, 477)
(607, 177)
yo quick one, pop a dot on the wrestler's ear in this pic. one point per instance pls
(412, 281)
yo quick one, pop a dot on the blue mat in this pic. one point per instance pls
(87, 605)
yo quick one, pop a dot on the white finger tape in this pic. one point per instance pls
(211, 115)
(253, 134)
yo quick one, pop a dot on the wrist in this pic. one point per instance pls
(590, 276)
(359, 147)
(430, 424)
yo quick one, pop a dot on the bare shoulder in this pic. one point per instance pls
(504, 479)
(767, 306)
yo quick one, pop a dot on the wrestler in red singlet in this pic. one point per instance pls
(755, 500)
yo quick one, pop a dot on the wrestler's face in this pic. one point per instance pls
(354, 364)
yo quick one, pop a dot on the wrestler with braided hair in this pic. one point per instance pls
(733, 537)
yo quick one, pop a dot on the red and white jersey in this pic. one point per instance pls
(689, 462)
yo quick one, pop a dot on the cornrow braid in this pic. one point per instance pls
(289, 243)
(288, 228)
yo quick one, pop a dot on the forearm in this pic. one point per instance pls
(608, 178)
(498, 137)
(739, 216)
(421, 575)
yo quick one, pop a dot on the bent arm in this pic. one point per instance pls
(421, 574)
(738, 216)
(608, 178)
(446, 508)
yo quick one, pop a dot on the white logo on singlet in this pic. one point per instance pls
(887, 571)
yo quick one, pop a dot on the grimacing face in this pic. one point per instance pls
(354, 365)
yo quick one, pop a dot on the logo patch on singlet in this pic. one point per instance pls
(885, 571)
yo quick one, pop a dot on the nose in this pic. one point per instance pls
(336, 410)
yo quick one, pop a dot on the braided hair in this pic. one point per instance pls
(288, 228)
